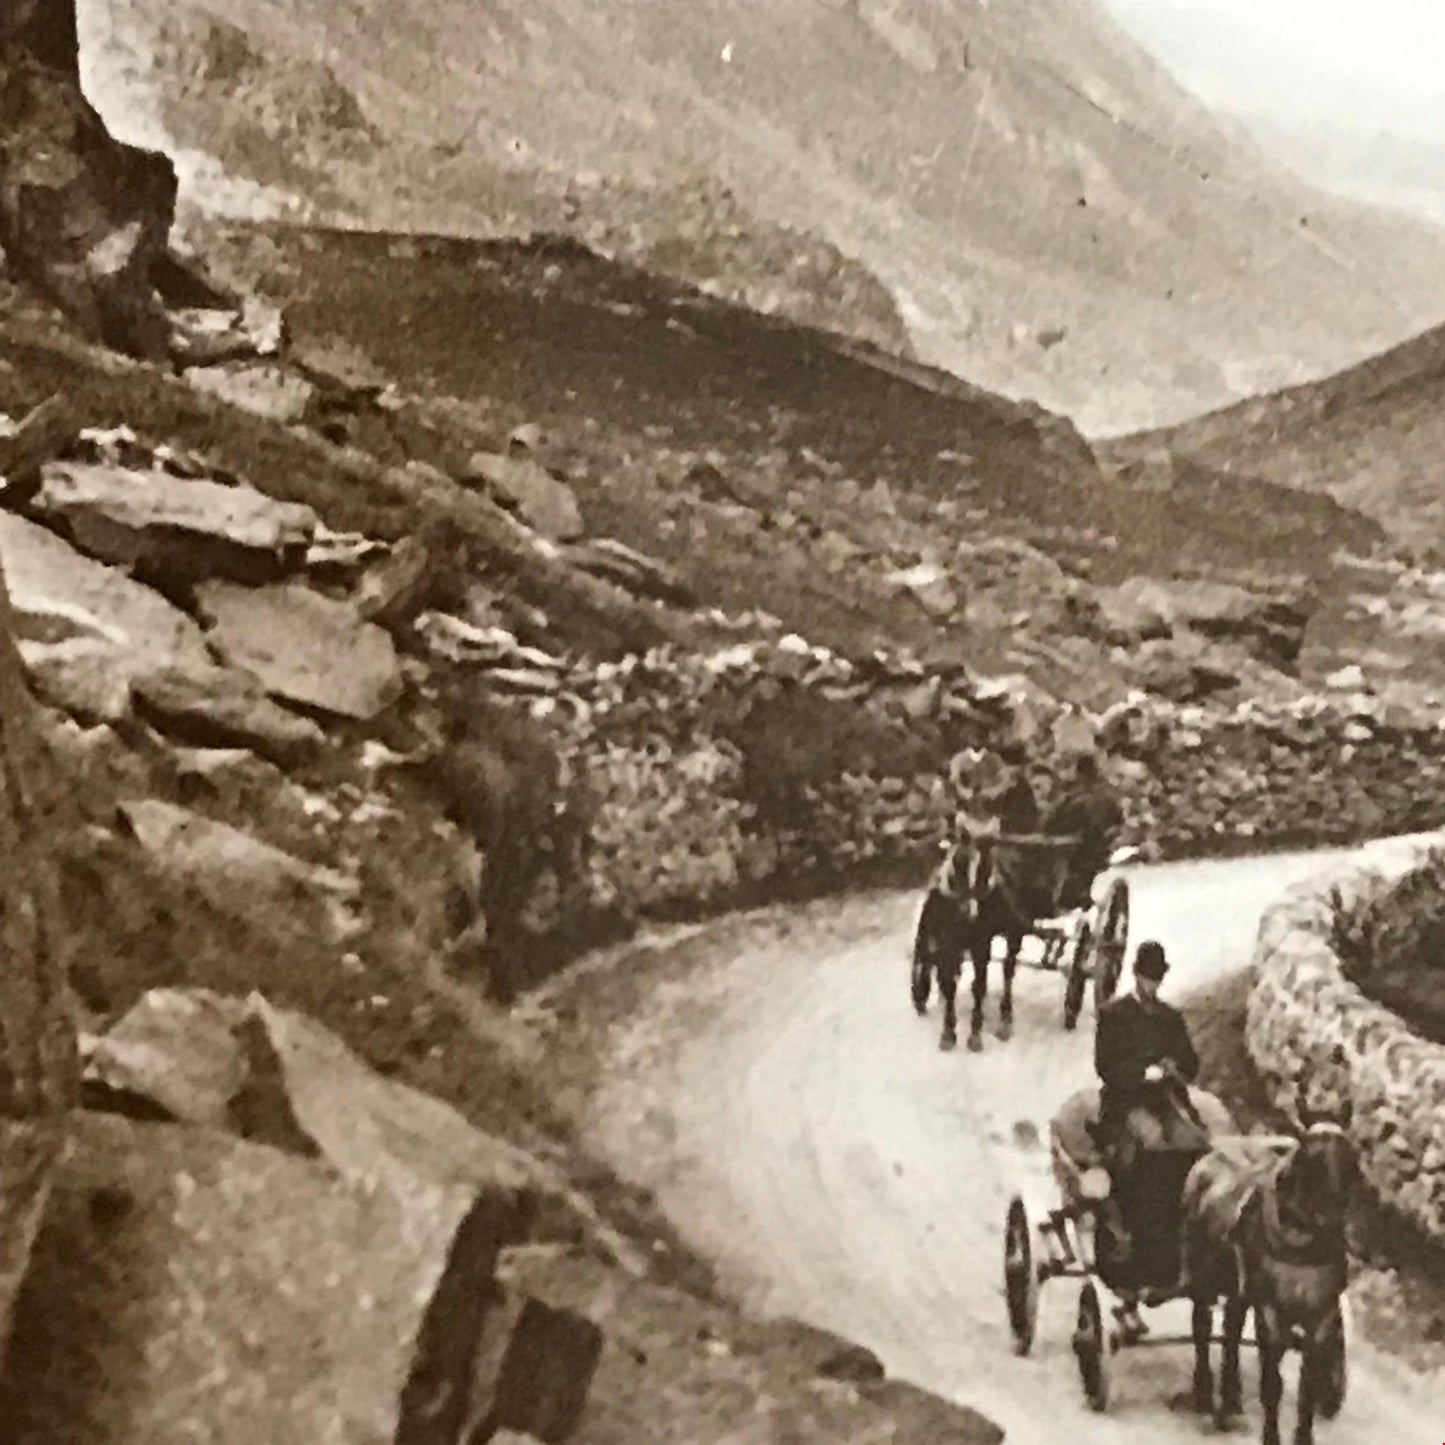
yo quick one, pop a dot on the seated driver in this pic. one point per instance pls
(1140, 1041)
(1013, 802)
(1089, 810)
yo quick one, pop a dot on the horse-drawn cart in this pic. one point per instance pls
(1010, 886)
(1073, 1241)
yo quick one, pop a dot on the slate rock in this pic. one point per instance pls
(304, 647)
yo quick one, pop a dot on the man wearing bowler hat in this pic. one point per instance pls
(1140, 1041)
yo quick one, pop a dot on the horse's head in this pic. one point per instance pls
(1326, 1165)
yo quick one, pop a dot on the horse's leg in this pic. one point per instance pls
(1271, 1384)
(1231, 1391)
(1203, 1328)
(1010, 967)
(980, 950)
(1304, 1422)
(949, 960)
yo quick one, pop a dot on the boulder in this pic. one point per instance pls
(177, 1050)
(58, 593)
(83, 217)
(268, 391)
(174, 529)
(188, 1285)
(369, 1128)
(304, 647)
(239, 874)
(220, 707)
(524, 486)
(301, 1089)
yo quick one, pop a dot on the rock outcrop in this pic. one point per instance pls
(84, 218)
(187, 1284)
(176, 530)
(305, 647)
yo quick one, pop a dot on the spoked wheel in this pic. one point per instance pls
(1077, 978)
(1091, 1348)
(1334, 1371)
(1112, 942)
(920, 978)
(1020, 1282)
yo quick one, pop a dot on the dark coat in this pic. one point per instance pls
(1092, 813)
(1015, 806)
(1132, 1035)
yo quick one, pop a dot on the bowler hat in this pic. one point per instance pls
(1149, 961)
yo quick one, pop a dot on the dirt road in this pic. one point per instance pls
(799, 1126)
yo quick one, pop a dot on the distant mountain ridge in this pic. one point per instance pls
(1015, 192)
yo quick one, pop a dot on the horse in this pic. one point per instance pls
(1264, 1231)
(984, 890)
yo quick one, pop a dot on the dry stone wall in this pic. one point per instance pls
(678, 828)
(1310, 1030)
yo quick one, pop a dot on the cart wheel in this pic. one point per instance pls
(1020, 1281)
(1112, 942)
(920, 978)
(1077, 978)
(1091, 1348)
(1335, 1368)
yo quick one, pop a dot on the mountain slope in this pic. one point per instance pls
(1370, 436)
(1020, 185)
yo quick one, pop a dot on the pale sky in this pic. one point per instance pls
(1371, 64)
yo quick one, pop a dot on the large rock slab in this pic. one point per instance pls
(220, 707)
(175, 529)
(304, 647)
(188, 1285)
(58, 593)
(176, 1051)
(370, 1128)
(300, 1088)
(239, 874)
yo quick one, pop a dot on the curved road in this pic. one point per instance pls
(800, 1127)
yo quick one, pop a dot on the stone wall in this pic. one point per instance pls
(1308, 1023)
(678, 829)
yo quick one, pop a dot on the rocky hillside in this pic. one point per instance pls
(1015, 191)
(401, 618)
(1368, 436)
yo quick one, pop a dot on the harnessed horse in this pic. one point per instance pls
(989, 886)
(1265, 1231)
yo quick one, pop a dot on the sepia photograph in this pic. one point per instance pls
(722, 722)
